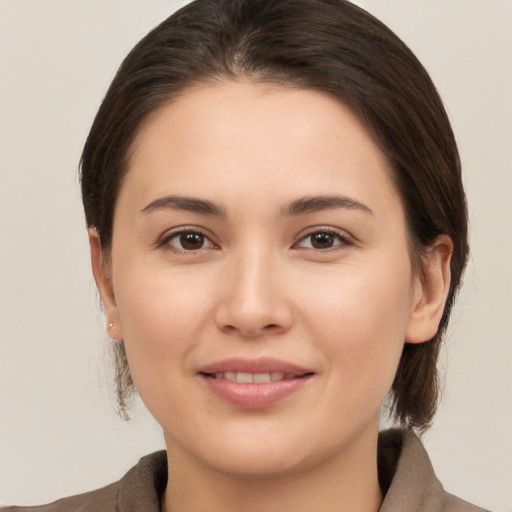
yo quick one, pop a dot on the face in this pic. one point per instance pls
(260, 278)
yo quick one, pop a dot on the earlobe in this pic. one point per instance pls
(102, 276)
(431, 291)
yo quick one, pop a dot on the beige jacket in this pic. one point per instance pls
(405, 473)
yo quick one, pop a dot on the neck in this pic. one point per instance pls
(340, 484)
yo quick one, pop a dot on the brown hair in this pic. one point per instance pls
(327, 45)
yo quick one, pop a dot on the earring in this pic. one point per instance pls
(110, 325)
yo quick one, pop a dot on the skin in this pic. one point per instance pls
(257, 283)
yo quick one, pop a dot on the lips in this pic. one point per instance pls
(254, 383)
(254, 366)
(253, 378)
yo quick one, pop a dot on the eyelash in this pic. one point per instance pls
(177, 234)
(342, 240)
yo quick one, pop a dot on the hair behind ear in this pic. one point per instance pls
(415, 390)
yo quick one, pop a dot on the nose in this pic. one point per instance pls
(254, 300)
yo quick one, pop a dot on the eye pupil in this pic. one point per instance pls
(322, 240)
(192, 241)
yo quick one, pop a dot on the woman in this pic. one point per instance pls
(278, 230)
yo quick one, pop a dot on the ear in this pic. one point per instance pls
(431, 289)
(102, 275)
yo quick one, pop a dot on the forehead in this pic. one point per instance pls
(240, 137)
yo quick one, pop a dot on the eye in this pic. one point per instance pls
(188, 241)
(323, 240)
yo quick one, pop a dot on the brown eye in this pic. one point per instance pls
(323, 240)
(189, 241)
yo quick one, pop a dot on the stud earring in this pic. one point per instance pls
(110, 325)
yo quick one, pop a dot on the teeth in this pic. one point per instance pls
(249, 378)
(261, 377)
(244, 378)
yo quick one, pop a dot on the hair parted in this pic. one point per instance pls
(331, 46)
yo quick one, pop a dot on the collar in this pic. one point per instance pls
(406, 477)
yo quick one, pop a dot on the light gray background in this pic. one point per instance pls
(58, 432)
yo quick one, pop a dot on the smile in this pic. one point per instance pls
(254, 384)
(253, 378)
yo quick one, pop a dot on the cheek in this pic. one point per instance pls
(359, 320)
(162, 313)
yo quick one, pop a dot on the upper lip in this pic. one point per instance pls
(260, 365)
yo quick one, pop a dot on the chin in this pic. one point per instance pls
(271, 454)
(260, 453)
(259, 462)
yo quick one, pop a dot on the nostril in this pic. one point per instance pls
(251, 330)
(252, 320)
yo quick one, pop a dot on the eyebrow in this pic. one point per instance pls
(300, 206)
(190, 204)
(318, 203)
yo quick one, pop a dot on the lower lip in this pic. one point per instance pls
(256, 395)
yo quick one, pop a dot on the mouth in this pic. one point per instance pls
(254, 384)
(255, 378)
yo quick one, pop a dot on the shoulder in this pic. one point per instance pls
(142, 484)
(103, 499)
(409, 478)
(453, 504)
